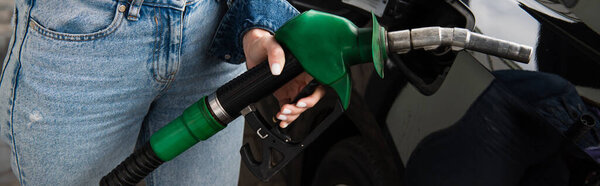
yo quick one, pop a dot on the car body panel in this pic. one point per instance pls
(413, 116)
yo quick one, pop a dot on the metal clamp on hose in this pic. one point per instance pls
(217, 109)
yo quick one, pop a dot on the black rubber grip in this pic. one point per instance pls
(135, 168)
(255, 84)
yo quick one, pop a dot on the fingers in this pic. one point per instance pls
(254, 46)
(290, 90)
(290, 112)
(311, 100)
(275, 55)
(260, 44)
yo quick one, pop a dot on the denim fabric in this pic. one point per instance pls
(511, 135)
(83, 85)
(244, 15)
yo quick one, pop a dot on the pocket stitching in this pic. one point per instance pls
(116, 22)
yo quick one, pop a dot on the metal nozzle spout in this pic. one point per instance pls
(430, 38)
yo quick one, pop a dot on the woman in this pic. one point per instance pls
(85, 81)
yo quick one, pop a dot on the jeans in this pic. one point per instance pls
(511, 135)
(86, 81)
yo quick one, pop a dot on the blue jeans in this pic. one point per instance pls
(511, 135)
(85, 82)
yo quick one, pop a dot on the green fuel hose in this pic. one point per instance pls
(201, 120)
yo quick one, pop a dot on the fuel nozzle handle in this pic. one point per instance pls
(430, 38)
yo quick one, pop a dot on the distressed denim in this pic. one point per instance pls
(85, 82)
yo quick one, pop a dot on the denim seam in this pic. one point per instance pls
(163, 5)
(219, 34)
(13, 40)
(115, 23)
(165, 81)
(212, 50)
(191, 2)
(177, 64)
(14, 93)
(155, 49)
(157, 74)
(12, 128)
(156, 53)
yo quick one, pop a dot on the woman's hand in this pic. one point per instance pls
(259, 45)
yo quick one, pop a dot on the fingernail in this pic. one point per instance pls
(282, 117)
(286, 111)
(276, 68)
(301, 104)
(285, 125)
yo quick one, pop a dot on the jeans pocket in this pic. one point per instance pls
(87, 21)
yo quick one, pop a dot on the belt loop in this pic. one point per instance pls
(134, 10)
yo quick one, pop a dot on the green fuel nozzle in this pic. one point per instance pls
(321, 44)
(326, 45)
